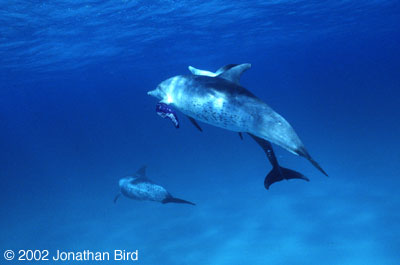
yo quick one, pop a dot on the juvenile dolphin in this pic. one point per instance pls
(165, 111)
(139, 187)
(218, 99)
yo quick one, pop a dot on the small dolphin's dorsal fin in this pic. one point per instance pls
(234, 72)
(196, 71)
(141, 172)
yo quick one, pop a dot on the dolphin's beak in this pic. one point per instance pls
(152, 93)
(157, 93)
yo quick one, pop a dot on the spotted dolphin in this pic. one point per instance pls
(140, 187)
(218, 99)
(278, 173)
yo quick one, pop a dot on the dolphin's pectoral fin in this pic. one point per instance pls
(303, 152)
(176, 200)
(241, 136)
(194, 122)
(233, 74)
(280, 173)
(116, 197)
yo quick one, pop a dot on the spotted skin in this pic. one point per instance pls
(226, 104)
(135, 188)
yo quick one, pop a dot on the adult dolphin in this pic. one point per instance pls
(219, 99)
(277, 173)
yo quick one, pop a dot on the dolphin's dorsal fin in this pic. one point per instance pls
(234, 72)
(225, 68)
(196, 71)
(141, 172)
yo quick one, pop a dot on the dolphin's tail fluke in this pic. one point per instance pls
(303, 152)
(279, 173)
(176, 200)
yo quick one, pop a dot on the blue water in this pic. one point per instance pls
(75, 117)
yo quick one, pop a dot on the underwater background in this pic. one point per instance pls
(75, 117)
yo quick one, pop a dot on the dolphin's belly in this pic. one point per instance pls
(144, 191)
(220, 111)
